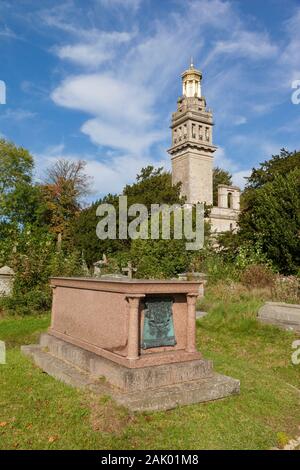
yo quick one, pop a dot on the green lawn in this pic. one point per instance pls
(38, 412)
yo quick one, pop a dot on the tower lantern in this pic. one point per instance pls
(191, 82)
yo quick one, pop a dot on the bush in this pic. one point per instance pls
(34, 262)
(257, 275)
(286, 289)
(159, 259)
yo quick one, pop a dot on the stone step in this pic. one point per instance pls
(122, 377)
(196, 391)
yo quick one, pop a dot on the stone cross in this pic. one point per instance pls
(98, 265)
(129, 270)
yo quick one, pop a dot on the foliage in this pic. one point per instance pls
(220, 176)
(65, 185)
(257, 275)
(286, 289)
(280, 164)
(84, 237)
(159, 258)
(152, 186)
(35, 260)
(251, 254)
(272, 219)
(19, 198)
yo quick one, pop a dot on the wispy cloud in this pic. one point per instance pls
(124, 76)
(17, 114)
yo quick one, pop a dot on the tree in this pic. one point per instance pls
(220, 177)
(271, 214)
(152, 186)
(83, 233)
(278, 165)
(19, 197)
(65, 185)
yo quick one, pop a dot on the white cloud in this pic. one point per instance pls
(290, 57)
(239, 120)
(128, 4)
(135, 72)
(238, 178)
(100, 47)
(127, 139)
(226, 163)
(221, 160)
(7, 32)
(252, 45)
(108, 176)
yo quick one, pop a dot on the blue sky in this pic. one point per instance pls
(98, 80)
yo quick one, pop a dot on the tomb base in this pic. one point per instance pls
(157, 387)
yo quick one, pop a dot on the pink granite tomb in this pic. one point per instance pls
(97, 329)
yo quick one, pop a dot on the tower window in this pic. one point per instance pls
(200, 133)
(207, 133)
(184, 131)
(229, 200)
(193, 131)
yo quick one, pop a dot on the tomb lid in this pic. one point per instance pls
(6, 271)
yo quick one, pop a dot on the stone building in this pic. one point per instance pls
(192, 154)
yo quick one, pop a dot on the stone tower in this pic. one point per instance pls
(192, 148)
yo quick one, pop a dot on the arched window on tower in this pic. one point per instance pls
(193, 131)
(200, 133)
(229, 200)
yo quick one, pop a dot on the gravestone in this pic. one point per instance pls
(98, 265)
(129, 270)
(140, 335)
(6, 280)
(2, 352)
(280, 314)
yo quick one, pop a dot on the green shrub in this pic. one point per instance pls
(257, 275)
(34, 262)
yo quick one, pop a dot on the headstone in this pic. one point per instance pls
(280, 314)
(200, 314)
(99, 264)
(129, 270)
(6, 280)
(2, 352)
(140, 335)
(84, 266)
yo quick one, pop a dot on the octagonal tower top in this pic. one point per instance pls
(191, 82)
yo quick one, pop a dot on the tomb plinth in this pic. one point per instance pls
(140, 335)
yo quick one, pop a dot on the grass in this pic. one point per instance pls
(38, 412)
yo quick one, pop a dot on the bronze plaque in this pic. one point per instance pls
(158, 323)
